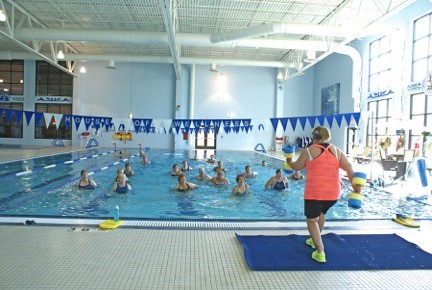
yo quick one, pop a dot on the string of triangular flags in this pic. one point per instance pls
(176, 126)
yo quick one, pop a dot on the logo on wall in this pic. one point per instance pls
(5, 98)
(330, 100)
(67, 100)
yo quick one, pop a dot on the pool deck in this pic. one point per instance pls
(79, 256)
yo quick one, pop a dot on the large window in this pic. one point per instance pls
(11, 129)
(50, 81)
(422, 48)
(42, 132)
(381, 110)
(11, 77)
(380, 114)
(420, 103)
(380, 65)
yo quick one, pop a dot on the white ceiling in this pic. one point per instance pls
(274, 33)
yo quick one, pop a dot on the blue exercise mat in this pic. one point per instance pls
(343, 252)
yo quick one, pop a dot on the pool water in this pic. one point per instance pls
(45, 187)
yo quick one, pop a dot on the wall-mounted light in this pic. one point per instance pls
(130, 116)
(213, 67)
(280, 75)
(60, 55)
(2, 16)
(83, 70)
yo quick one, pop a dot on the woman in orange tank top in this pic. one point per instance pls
(322, 161)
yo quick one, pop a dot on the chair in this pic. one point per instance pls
(363, 158)
(387, 163)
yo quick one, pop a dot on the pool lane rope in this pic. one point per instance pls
(52, 188)
(39, 168)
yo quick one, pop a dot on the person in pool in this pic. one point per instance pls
(212, 159)
(219, 178)
(128, 169)
(202, 175)
(85, 182)
(183, 184)
(278, 182)
(144, 159)
(185, 166)
(264, 163)
(249, 173)
(175, 170)
(121, 186)
(241, 188)
(119, 171)
(219, 167)
(296, 175)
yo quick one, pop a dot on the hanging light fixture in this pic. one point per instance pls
(60, 55)
(83, 70)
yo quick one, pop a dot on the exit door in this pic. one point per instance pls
(205, 140)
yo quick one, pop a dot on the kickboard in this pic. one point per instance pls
(110, 224)
(406, 221)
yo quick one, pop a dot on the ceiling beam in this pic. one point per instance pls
(169, 20)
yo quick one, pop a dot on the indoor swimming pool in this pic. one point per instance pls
(45, 187)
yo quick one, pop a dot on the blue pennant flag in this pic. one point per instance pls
(38, 118)
(97, 121)
(107, 123)
(246, 122)
(197, 129)
(146, 123)
(9, 114)
(293, 122)
(18, 116)
(227, 129)
(226, 123)
(77, 120)
(28, 116)
(137, 124)
(302, 122)
(284, 123)
(321, 120)
(312, 120)
(274, 122)
(207, 123)
(67, 121)
(347, 118)
(216, 125)
(329, 119)
(236, 125)
(197, 122)
(187, 124)
(339, 118)
(356, 117)
(87, 122)
(176, 123)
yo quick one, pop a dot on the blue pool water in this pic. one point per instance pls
(45, 187)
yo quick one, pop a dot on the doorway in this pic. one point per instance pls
(205, 140)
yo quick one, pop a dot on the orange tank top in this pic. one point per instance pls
(322, 176)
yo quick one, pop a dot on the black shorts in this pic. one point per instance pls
(314, 208)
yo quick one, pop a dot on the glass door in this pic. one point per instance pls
(205, 140)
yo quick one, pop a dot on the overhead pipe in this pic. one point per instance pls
(356, 70)
(282, 28)
(157, 38)
(146, 59)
